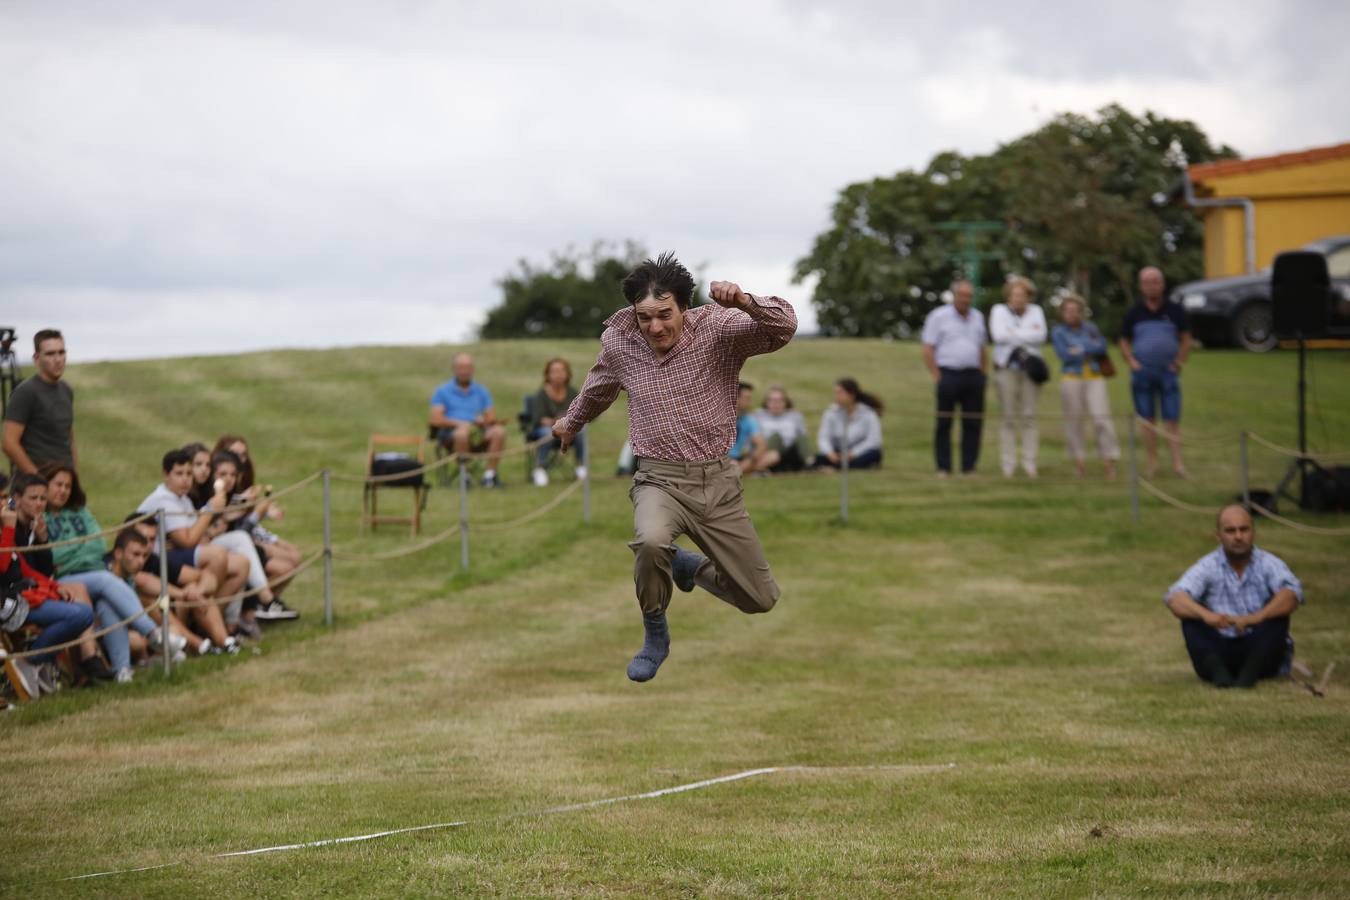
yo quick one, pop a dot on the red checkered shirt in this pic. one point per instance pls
(681, 406)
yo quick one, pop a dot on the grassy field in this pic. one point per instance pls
(981, 670)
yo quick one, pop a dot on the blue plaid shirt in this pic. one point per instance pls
(1212, 583)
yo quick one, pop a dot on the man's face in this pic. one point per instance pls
(32, 503)
(51, 359)
(131, 558)
(146, 530)
(179, 479)
(1151, 284)
(1236, 533)
(962, 296)
(464, 369)
(745, 400)
(661, 321)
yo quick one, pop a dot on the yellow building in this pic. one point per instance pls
(1254, 209)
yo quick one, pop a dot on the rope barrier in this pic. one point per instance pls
(252, 592)
(1298, 526)
(343, 556)
(57, 648)
(179, 604)
(1173, 501)
(84, 538)
(1338, 454)
(530, 516)
(446, 460)
(117, 529)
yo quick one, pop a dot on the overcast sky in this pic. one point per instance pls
(204, 177)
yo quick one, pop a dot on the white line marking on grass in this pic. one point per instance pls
(550, 811)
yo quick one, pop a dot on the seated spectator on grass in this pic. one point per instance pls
(68, 518)
(465, 419)
(851, 425)
(234, 528)
(186, 540)
(266, 511)
(124, 562)
(55, 609)
(40, 416)
(1234, 606)
(201, 492)
(550, 402)
(784, 431)
(191, 590)
(749, 450)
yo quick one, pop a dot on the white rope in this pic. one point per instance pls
(550, 811)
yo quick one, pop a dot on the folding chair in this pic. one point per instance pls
(381, 462)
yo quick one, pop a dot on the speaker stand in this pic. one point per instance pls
(1299, 468)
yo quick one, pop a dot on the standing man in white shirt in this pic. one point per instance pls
(1018, 329)
(954, 341)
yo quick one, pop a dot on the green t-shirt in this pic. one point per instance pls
(73, 559)
(47, 413)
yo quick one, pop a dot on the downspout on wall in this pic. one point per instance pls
(1248, 218)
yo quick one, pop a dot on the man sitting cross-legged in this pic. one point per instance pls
(1234, 606)
(202, 622)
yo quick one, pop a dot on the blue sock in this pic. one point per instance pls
(683, 568)
(654, 650)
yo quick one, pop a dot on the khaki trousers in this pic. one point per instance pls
(1017, 395)
(703, 500)
(1088, 396)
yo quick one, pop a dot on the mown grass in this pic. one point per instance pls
(1010, 628)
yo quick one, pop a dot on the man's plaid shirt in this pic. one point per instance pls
(681, 406)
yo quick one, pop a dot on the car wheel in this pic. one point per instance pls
(1254, 327)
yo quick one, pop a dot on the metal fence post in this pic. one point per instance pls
(1246, 484)
(327, 550)
(1134, 470)
(164, 592)
(586, 482)
(464, 515)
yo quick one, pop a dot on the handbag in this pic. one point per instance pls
(1105, 366)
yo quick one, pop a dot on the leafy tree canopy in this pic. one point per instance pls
(571, 297)
(1072, 206)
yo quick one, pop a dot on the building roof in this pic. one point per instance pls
(1207, 171)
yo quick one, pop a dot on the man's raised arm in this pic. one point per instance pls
(597, 393)
(769, 322)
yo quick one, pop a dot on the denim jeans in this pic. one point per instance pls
(114, 600)
(60, 621)
(546, 448)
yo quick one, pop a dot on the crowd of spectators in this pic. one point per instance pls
(69, 584)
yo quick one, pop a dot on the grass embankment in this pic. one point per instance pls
(1011, 628)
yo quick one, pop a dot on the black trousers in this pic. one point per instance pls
(1242, 660)
(963, 388)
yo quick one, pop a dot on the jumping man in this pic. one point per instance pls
(681, 368)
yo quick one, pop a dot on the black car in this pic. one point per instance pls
(1236, 311)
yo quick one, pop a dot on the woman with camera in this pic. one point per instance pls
(1082, 386)
(1017, 328)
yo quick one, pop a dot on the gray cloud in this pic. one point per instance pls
(309, 163)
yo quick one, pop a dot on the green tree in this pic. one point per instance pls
(1076, 198)
(571, 297)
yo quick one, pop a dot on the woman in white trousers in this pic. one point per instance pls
(1082, 388)
(1017, 328)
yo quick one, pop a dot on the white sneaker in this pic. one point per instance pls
(204, 647)
(23, 676)
(581, 472)
(123, 676)
(540, 477)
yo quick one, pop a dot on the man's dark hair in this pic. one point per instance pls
(660, 277)
(45, 334)
(130, 536)
(140, 519)
(23, 481)
(176, 457)
(744, 386)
